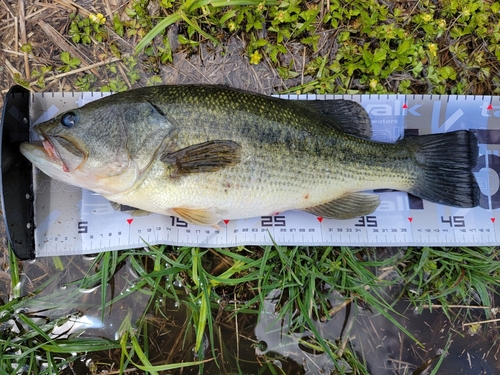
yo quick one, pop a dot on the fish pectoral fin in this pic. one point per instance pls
(209, 156)
(347, 207)
(345, 115)
(203, 217)
(129, 209)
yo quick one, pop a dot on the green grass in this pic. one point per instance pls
(305, 276)
(461, 276)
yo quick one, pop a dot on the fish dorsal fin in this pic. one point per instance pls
(345, 115)
(348, 207)
(209, 156)
(203, 217)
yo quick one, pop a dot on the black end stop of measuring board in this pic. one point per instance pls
(16, 178)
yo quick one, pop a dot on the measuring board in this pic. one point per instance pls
(69, 220)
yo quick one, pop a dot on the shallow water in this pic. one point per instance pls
(244, 344)
(384, 348)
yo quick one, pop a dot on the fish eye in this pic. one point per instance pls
(69, 119)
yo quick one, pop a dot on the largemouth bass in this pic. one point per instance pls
(211, 153)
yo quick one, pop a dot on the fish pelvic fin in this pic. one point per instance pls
(132, 211)
(446, 162)
(347, 207)
(203, 157)
(197, 216)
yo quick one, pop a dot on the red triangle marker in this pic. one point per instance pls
(493, 220)
(490, 107)
(410, 219)
(225, 221)
(130, 221)
(405, 106)
(320, 219)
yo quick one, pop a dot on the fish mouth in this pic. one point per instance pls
(62, 151)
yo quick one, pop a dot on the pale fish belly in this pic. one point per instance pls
(250, 189)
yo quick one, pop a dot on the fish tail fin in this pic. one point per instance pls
(446, 162)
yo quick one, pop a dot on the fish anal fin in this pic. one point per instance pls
(203, 217)
(209, 156)
(345, 115)
(347, 207)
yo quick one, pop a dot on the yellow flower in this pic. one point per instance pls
(281, 16)
(373, 84)
(231, 25)
(442, 24)
(255, 58)
(98, 18)
(474, 328)
(433, 49)
(427, 17)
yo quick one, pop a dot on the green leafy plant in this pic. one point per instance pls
(85, 82)
(70, 63)
(83, 30)
(187, 12)
(115, 85)
(39, 75)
